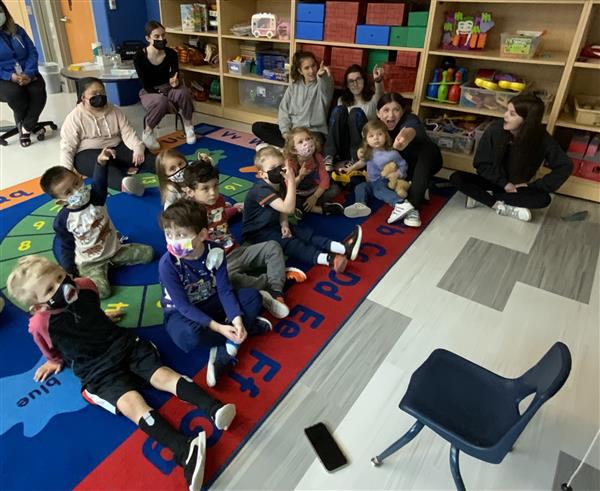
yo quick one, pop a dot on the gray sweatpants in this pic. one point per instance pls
(245, 260)
(157, 105)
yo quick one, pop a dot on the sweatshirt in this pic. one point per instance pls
(502, 169)
(306, 105)
(382, 157)
(368, 107)
(17, 49)
(84, 130)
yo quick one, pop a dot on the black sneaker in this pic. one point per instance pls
(261, 326)
(333, 209)
(218, 361)
(352, 243)
(193, 467)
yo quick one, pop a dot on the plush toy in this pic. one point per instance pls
(400, 186)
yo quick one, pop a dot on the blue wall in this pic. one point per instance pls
(153, 10)
(34, 30)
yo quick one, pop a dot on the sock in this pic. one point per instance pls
(231, 348)
(337, 248)
(188, 391)
(323, 259)
(154, 425)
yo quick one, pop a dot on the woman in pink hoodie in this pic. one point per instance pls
(96, 124)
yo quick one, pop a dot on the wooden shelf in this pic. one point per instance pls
(594, 65)
(550, 2)
(462, 109)
(555, 58)
(578, 186)
(353, 45)
(252, 38)
(209, 69)
(209, 107)
(458, 161)
(568, 121)
(177, 30)
(249, 114)
(254, 78)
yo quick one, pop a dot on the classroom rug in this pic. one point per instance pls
(52, 439)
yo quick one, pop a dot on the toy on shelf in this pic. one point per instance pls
(214, 92)
(189, 55)
(194, 17)
(264, 25)
(241, 30)
(590, 51)
(463, 32)
(213, 17)
(521, 44)
(283, 30)
(493, 80)
(446, 82)
(199, 92)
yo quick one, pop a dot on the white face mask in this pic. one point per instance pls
(177, 177)
(306, 148)
(79, 197)
(2, 18)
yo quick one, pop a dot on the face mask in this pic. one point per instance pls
(99, 100)
(79, 197)
(2, 19)
(159, 44)
(275, 175)
(65, 295)
(305, 149)
(177, 177)
(180, 247)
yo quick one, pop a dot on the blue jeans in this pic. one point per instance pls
(378, 189)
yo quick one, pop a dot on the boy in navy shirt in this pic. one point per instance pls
(200, 305)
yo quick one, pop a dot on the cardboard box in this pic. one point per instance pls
(322, 53)
(344, 57)
(339, 31)
(407, 59)
(385, 14)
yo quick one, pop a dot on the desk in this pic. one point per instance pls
(102, 73)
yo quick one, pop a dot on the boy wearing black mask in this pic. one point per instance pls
(266, 210)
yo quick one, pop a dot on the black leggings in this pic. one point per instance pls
(270, 133)
(85, 162)
(420, 172)
(345, 132)
(27, 102)
(477, 188)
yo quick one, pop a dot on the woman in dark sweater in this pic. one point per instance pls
(158, 69)
(507, 159)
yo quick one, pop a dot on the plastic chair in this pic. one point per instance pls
(475, 410)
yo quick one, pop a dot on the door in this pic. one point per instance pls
(79, 26)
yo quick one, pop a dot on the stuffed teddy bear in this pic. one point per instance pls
(400, 186)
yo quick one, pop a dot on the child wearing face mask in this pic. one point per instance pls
(313, 187)
(88, 240)
(113, 364)
(266, 210)
(201, 307)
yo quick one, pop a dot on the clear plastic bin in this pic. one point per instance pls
(587, 109)
(239, 67)
(455, 142)
(494, 100)
(263, 95)
(514, 45)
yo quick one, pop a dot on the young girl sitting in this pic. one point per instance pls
(305, 102)
(313, 186)
(375, 152)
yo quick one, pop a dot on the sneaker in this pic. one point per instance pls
(333, 209)
(274, 304)
(412, 219)
(337, 262)
(224, 416)
(295, 274)
(399, 211)
(357, 210)
(329, 163)
(149, 139)
(471, 203)
(261, 326)
(218, 361)
(260, 146)
(193, 467)
(426, 195)
(352, 243)
(190, 135)
(513, 211)
(132, 185)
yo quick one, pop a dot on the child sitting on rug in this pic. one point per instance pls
(197, 296)
(201, 182)
(313, 187)
(89, 243)
(267, 207)
(112, 363)
(375, 152)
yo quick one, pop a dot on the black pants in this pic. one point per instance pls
(269, 133)
(85, 161)
(421, 171)
(477, 188)
(27, 102)
(345, 132)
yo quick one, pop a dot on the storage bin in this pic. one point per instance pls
(494, 100)
(399, 36)
(515, 45)
(379, 35)
(344, 57)
(309, 30)
(587, 109)
(322, 53)
(418, 19)
(377, 57)
(270, 60)
(415, 37)
(385, 14)
(239, 67)
(310, 12)
(587, 169)
(455, 142)
(341, 31)
(264, 95)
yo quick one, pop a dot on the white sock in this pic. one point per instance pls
(231, 348)
(337, 247)
(322, 259)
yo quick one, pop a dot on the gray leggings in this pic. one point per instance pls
(157, 105)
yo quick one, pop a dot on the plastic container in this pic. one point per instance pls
(515, 45)
(455, 142)
(264, 95)
(587, 109)
(239, 67)
(51, 74)
(270, 60)
(494, 100)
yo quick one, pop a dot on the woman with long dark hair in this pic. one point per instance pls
(507, 159)
(356, 106)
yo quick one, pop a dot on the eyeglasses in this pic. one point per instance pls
(355, 81)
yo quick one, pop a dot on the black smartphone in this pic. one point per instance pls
(326, 447)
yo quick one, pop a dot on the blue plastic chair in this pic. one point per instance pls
(474, 409)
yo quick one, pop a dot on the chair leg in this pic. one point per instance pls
(458, 482)
(394, 447)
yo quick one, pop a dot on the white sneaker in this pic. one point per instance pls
(472, 203)
(193, 467)
(357, 210)
(399, 211)
(190, 135)
(276, 307)
(224, 416)
(513, 211)
(260, 146)
(328, 163)
(412, 219)
(427, 196)
(132, 185)
(149, 139)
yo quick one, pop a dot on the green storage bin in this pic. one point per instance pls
(399, 36)
(377, 57)
(416, 37)
(418, 19)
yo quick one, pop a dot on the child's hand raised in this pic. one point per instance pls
(47, 369)
(377, 73)
(288, 174)
(106, 154)
(323, 70)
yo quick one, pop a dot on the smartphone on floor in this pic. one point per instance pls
(325, 446)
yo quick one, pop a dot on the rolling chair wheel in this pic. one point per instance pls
(41, 136)
(54, 127)
(376, 462)
(3, 142)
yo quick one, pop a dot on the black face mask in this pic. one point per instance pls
(65, 295)
(275, 175)
(159, 44)
(98, 101)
